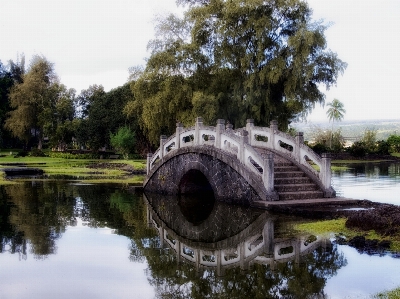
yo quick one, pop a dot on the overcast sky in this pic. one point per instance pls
(96, 41)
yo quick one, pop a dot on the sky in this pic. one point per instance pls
(96, 41)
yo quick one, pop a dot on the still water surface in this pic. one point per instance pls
(379, 181)
(65, 240)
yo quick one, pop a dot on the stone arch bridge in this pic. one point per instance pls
(246, 166)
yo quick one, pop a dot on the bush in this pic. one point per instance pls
(124, 141)
(394, 143)
(66, 155)
(320, 148)
(358, 149)
(37, 153)
(328, 140)
(382, 147)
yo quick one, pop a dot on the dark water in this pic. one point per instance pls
(63, 240)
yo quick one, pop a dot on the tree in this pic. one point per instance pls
(394, 143)
(336, 110)
(58, 122)
(101, 113)
(31, 100)
(235, 60)
(123, 141)
(335, 113)
(6, 82)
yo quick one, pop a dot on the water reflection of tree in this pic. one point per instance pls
(123, 211)
(10, 239)
(371, 169)
(39, 215)
(289, 280)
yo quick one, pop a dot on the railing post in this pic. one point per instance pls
(163, 138)
(268, 172)
(325, 171)
(149, 156)
(218, 131)
(273, 128)
(299, 142)
(249, 127)
(179, 128)
(268, 236)
(197, 137)
(244, 139)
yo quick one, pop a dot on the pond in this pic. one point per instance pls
(61, 239)
(375, 181)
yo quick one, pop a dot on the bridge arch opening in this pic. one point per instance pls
(194, 182)
(196, 197)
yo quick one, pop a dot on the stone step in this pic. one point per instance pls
(300, 195)
(296, 187)
(289, 174)
(292, 180)
(285, 168)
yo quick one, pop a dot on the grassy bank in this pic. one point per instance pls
(337, 227)
(88, 170)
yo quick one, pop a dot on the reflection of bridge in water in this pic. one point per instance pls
(207, 245)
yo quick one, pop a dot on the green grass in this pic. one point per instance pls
(328, 228)
(77, 169)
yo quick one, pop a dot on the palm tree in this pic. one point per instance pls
(335, 113)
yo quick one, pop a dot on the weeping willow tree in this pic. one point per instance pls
(235, 60)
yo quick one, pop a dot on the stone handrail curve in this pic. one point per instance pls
(224, 256)
(299, 149)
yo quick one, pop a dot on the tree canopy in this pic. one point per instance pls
(234, 60)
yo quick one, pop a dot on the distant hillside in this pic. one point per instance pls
(352, 130)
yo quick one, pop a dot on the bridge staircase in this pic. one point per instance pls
(290, 182)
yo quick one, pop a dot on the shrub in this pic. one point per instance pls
(66, 155)
(319, 148)
(358, 149)
(328, 140)
(394, 143)
(37, 153)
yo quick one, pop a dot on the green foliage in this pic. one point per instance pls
(234, 60)
(67, 155)
(392, 294)
(6, 83)
(369, 140)
(394, 143)
(101, 113)
(369, 145)
(37, 153)
(327, 141)
(358, 149)
(40, 104)
(123, 141)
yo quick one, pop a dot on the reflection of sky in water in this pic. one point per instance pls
(90, 263)
(363, 276)
(373, 186)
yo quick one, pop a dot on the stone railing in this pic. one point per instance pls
(241, 143)
(260, 246)
(292, 148)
